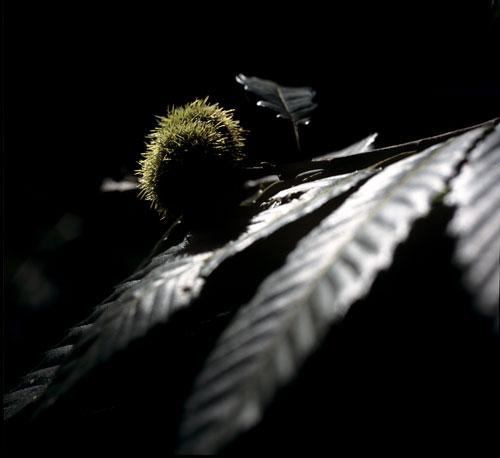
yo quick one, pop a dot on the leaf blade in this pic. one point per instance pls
(270, 337)
(476, 194)
(175, 277)
(130, 316)
(363, 146)
(292, 103)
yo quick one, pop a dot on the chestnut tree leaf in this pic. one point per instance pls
(292, 103)
(476, 224)
(170, 282)
(335, 264)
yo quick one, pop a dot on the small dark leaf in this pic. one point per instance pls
(292, 103)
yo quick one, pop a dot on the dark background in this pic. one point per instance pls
(83, 83)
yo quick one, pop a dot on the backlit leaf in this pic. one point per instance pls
(292, 103)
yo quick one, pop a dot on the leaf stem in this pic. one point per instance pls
(427, 141)
(294, 122)
(362, 160)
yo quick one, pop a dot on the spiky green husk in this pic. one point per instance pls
(190, 142)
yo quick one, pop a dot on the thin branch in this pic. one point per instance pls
(362, 160)
(427, 141)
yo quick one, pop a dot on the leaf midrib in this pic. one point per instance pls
(292, 117)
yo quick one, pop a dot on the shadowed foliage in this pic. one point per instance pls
(360, 280)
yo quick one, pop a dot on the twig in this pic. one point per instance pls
(362, 160)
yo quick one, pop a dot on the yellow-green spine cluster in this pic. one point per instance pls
(190, 139)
